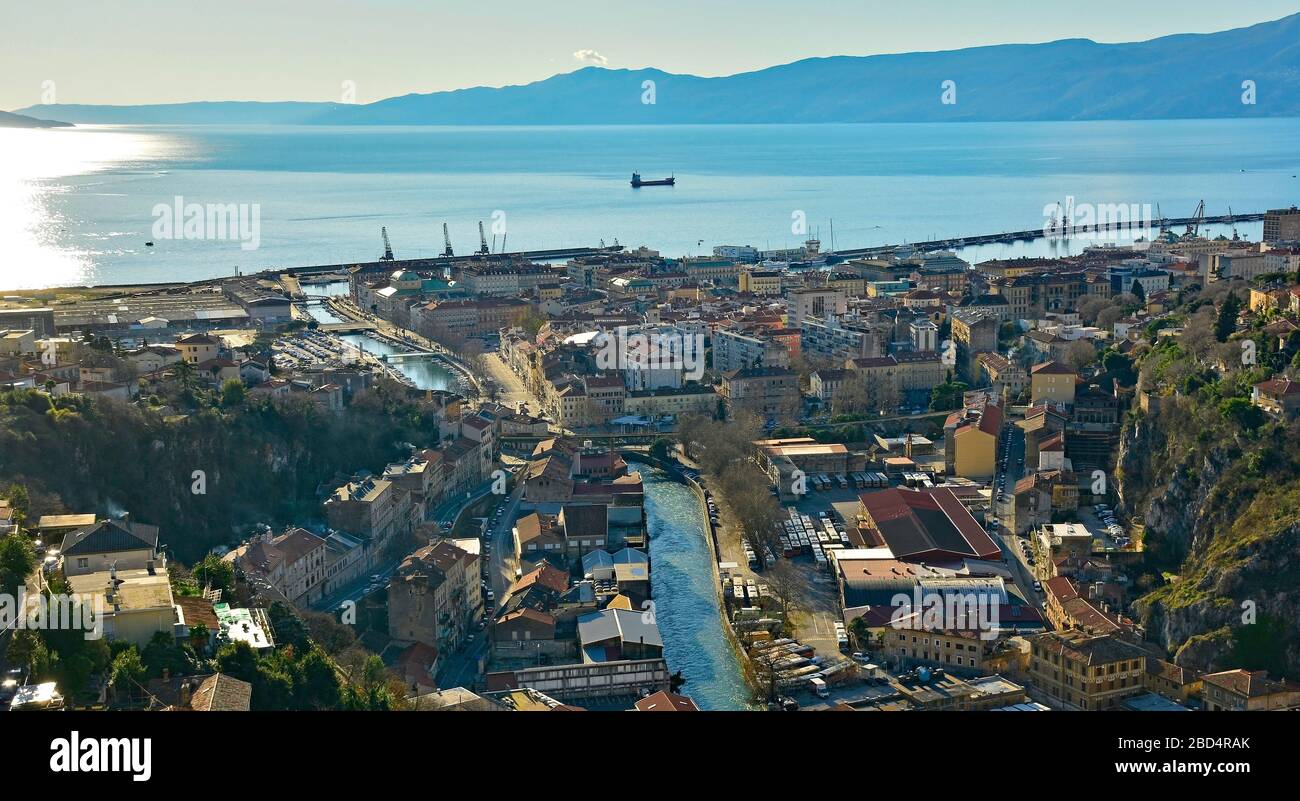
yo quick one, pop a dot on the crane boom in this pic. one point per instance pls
(446, 239)
(388, 248)
(482, 240)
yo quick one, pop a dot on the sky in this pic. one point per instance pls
(164, 51)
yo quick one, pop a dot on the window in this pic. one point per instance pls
(83, 562)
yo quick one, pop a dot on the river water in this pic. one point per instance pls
(686, 603)
(426, 373)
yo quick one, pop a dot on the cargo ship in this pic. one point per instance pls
(637, 182)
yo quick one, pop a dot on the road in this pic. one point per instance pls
(1008, 476)
(462, 669)
(501, 565)
(512, 391)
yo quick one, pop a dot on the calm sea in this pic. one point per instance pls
(77, 206)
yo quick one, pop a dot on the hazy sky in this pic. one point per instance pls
(149, 51)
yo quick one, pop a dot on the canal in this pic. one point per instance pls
(424, 373)
(686, 603)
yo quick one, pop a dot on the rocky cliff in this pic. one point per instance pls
(1221, 513)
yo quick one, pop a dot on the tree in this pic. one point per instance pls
(319, 687)
(16, 494)
(948, 396)
(127, 672)
(199, 637)
(17, 561)
(1139, 292)
(233, 393)
(164, 655)
(216, 573)
(237, 659)
(184, 372)
(786, 584)
(1080, 354)
(1242, 412)
(1227, 322)
(288, 626)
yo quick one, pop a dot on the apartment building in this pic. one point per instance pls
(1248, 691)
(1052, 382)
(1084, 671)
(769, 392)
(434, 596)
(1282, 225)
(372, 509)
(816, 302)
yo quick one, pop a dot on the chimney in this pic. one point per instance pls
(185, 693)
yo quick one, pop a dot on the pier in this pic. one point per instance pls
(1009, 237)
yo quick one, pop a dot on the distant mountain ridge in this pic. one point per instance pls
(8, 120)
(1172, 77)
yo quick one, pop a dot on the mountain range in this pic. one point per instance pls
(1213, 75)
(8, 120)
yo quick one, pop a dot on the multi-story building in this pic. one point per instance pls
(974, 332)
(1084, 671)
(1247, 691)
(1031, 296)
(1004, 376)
(434, 596)
(816, 302)
(452, 319)
(606, 396)
(971, 442)
(372, 509)
(689, 399)
(836, 338)
(760, 282)
(769, 392)
(925, 334)
(918, 372)
(1052, 382)
(198, 348)
(483, 279)
(291, 564)
(1278, 396)
(735, 349)
(1282, 225)
(1228, 264)
(719, 271)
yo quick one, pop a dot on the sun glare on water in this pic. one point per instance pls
(34, 241)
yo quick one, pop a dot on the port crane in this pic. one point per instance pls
(446, 239)
(1194, 227)
(388, 248)
(482, 241)
(1236, 237)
